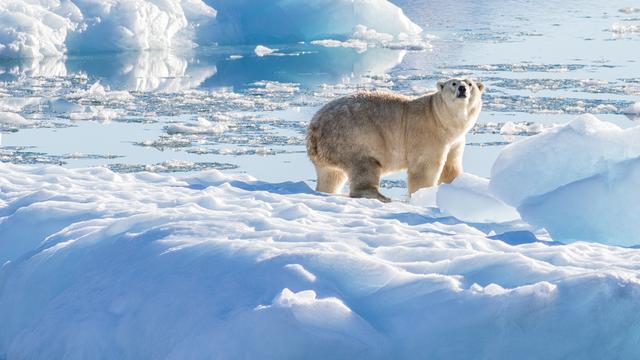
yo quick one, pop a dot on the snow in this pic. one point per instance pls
(146, 265)
(539, 164)
(468, 199)
(579, 181)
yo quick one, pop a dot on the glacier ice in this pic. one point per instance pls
(287, 21)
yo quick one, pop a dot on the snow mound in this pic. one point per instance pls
(282, 21)
(40, 28)
(579, 181)
(101, 264)
(539, 164)
(468, 199)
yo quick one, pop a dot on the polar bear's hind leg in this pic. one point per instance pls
(330, 179)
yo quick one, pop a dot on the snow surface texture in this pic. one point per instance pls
(580, 181)
(40, 28)
(155, 266)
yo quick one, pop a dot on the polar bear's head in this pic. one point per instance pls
(461, 91)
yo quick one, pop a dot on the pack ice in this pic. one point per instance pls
(97, 264)
(579, 181)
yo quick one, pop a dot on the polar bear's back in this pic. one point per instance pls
(356, 126)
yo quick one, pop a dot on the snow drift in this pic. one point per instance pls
(579, 181)
(154, 266)
(41, 28)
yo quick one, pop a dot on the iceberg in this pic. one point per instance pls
(289, 21)
(42, 28)
(579, 181)
(100, 264)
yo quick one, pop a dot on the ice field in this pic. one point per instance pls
(156, 198)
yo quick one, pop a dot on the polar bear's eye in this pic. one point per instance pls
(454, 84)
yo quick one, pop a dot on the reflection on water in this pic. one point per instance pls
(237, 67)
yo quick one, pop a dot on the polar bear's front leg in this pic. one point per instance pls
(453, 165)
(426, 172)
(364, 179)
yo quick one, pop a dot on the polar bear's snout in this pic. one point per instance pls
(462, 91)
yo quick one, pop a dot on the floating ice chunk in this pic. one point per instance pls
(170, 166)
(99, 113)
(99, 93)
(559, 156)
(624, 29)
(359, 45)
(202, 126)
(633, 111)
(268, 87)
(11, 119)
(509, 128)
(467, 198)
(262, 50)
(629, 10)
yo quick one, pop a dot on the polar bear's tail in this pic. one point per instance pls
(312, 141)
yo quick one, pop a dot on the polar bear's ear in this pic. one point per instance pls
(480, 86)
(440, 85)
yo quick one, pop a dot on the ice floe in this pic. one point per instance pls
(231, 267)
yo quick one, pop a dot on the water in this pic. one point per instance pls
(228, 109)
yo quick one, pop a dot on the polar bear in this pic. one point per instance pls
(364, 136)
